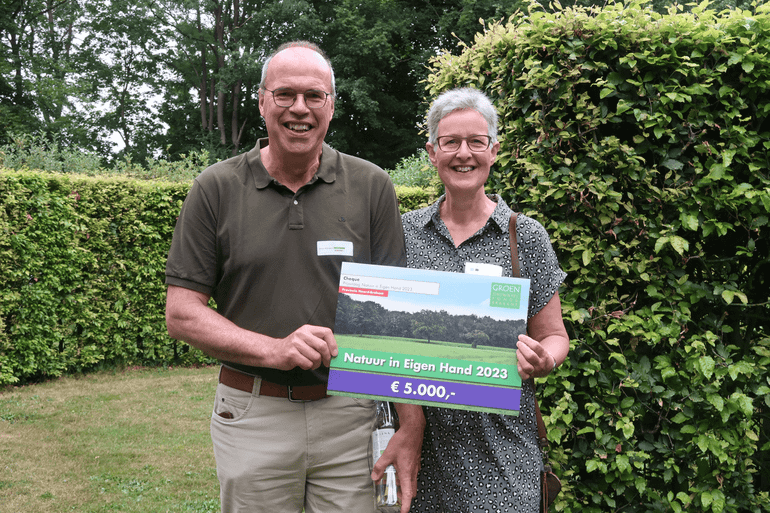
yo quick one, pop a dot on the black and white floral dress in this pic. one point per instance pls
(471, 461)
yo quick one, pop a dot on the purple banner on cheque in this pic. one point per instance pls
(424, 391)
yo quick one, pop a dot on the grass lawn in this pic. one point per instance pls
(134, 440)
(435, 349)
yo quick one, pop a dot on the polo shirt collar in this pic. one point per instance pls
(326, 170)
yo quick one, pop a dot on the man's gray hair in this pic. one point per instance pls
(298, 44)
(461, 99)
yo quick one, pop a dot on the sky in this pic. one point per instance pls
(456, 293)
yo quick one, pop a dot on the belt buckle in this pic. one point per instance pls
(291, 399)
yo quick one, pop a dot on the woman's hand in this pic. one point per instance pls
(533, 359)
(546, 344)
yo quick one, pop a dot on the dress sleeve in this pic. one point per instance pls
(538, 262)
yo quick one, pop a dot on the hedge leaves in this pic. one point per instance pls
(642, 142)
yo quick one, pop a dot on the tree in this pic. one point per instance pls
(380, 60)
(122, 52)
(221, 48)
(168, 78)
(475, 337)
(430, 325)
(37, 48)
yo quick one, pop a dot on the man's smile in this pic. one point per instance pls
(297, 127)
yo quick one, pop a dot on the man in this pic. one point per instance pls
(264, 234)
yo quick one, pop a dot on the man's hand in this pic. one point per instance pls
(403, 452)
(189, 318)
(308, 347)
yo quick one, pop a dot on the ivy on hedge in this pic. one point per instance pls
(642, 142)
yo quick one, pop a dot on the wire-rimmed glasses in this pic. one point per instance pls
(476, 143)
(285, 97)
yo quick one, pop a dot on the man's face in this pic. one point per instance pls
(298, 130)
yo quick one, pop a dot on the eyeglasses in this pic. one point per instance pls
(285, 97)
(476, 143)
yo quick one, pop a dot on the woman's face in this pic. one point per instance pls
(462, 170)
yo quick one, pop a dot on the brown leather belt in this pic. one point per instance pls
(244, 382)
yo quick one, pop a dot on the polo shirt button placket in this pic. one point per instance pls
(296, 221)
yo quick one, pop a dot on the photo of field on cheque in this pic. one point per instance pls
(429, 337)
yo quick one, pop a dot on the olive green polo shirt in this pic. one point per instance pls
(270, 257)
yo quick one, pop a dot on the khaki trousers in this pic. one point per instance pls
(278, 456)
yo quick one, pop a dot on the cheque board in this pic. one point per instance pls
(429, 337)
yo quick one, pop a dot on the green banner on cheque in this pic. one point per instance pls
(429, 337)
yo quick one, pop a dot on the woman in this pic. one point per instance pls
(478, 461)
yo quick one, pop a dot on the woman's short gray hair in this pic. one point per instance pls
(460, 99)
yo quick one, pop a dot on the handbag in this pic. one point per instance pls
(550, 484)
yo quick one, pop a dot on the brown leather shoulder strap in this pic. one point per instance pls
(514, 246)
(541, 433)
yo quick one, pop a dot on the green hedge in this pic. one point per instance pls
(83, 265)
(642, 143)
(412, 198)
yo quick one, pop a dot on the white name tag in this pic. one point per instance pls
(334, 247)
(485, 269)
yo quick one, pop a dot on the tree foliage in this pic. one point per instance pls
(38, 60)
(163, 78)
(641, 141)
(368, 317)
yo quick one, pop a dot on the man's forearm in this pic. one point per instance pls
(189, 318)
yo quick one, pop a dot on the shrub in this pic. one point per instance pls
(642, 142)
(413, 198)
(83, 265)
(35, 151)
(415, 171)
(417, 183)
(83, 268)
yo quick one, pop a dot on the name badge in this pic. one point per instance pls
(334, 247)
(484, 269)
